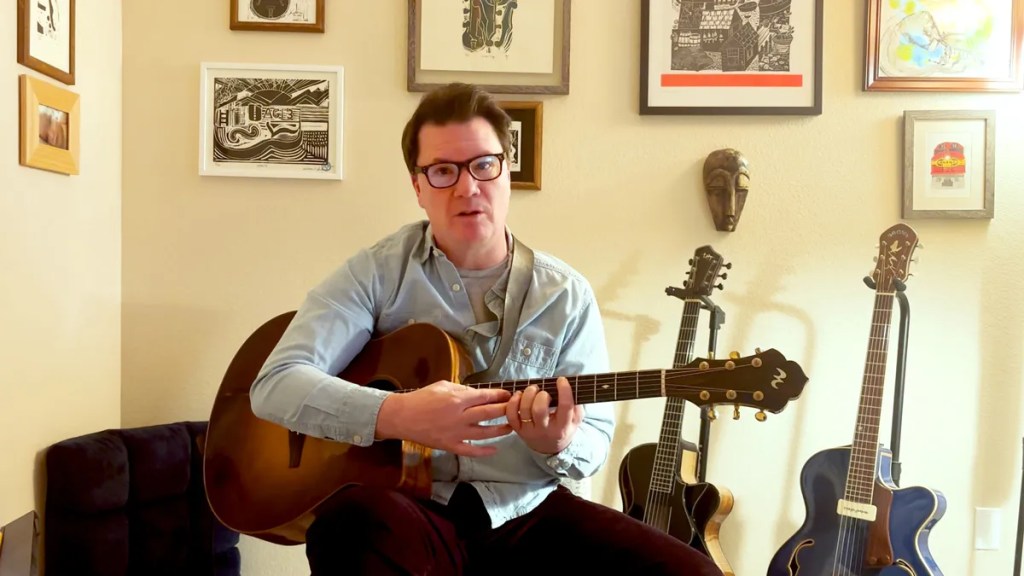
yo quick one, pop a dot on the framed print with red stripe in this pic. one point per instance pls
(730, 57)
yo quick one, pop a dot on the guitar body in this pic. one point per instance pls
(635, 487)
(907, 514)
(695, 510)
(292, 477)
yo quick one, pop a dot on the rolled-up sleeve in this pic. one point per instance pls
(298, 387)
(584, 352)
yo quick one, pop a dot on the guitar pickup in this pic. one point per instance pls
(857, 510)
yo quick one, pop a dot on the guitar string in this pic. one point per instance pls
(852, 543)
(657, 512)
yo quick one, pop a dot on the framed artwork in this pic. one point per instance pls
(271, 120)
(944, 45)
(46, 38)
(48, 126)
(278, 15)
(949, 161)
(524, 162)
(743, 57)
(504, 46)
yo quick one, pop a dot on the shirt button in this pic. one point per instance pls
(456, 287)
(357, 438)
(412, 321)
(527, 351)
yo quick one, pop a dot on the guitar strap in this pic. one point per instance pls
(519, 279)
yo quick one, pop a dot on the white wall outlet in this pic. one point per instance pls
(988, 523)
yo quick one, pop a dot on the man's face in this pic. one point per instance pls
(726, 182)
(468, 216)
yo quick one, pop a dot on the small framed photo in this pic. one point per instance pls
(278, 15)
(49, 126)
(944, 45)
(524, 162)
(271, 120)
(747, 57)
(949, 161)
(504, 46)
(46, 38)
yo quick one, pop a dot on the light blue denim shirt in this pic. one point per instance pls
(405, 278)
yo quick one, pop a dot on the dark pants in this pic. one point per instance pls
(377, 531)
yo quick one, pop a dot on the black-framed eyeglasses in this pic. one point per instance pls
(446, 174)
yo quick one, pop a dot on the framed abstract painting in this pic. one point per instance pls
(944, 45)
(46, 38)
(742, 57)
(278, 15)
(524, 162)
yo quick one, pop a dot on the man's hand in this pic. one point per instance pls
(529, 414)
(444, 415)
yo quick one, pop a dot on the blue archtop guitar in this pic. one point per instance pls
(858, 522)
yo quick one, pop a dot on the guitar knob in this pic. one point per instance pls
(728, 265)
(736, 412)
(724, 275)
(760, 416)
(719, 286)
(712, 415)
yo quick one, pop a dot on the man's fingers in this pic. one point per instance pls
(485, 412)
(474, 396)
(542, 409)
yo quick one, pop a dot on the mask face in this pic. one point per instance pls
(726, 183)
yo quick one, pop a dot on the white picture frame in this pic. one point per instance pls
(237, 136)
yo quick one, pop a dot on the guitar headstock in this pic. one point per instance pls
(765, 380)
(892, 265)
(703, 273)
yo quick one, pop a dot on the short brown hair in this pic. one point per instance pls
(455, 102)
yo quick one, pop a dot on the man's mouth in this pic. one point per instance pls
(471, 212)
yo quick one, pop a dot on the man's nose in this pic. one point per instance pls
(466, 185)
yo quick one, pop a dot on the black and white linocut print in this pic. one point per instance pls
(732, 35)
(272, 121)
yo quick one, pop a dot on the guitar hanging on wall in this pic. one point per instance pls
(858, 522)
(658, 481)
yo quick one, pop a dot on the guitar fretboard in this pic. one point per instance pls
(860, 480)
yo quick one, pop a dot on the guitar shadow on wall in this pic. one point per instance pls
(760, 300)
(644, 327)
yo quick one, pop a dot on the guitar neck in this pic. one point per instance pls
(665, 464)
(609, 386)
(860, 480)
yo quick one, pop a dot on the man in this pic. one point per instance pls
(496, 504)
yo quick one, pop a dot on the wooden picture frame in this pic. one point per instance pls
(449, 53)
(278, 15)
(46, 38)
(760, 57)
(526, 157)
(48, 126)
(271, 120)
(894, 62)
(949, 163)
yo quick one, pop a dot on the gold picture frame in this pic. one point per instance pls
(281, 16)
(949, 161)
(524, 163)
(46, 38)
(918, 46)
(49, 126)
(495, 79)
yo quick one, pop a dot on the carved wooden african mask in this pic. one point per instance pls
(726, 183)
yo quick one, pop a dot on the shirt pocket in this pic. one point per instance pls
(529, 358)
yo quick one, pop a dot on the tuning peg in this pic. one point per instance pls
(757, 350)
(690, 261)
(760, 416)
(921, 246)
(712, 415)
(734, 355)
(736, 412)
(719, 285)
(727, 265)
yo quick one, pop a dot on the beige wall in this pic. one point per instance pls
(60, 285)
(206, 260)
